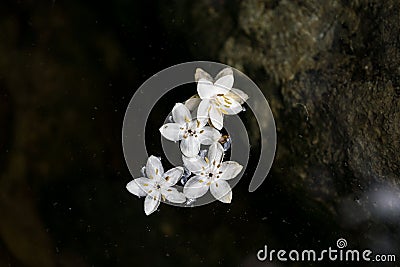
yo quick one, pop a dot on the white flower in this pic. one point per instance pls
(158, 185)
(192, 132)
(211, 173)
(218, 98)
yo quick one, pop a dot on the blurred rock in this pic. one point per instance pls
(330, 71)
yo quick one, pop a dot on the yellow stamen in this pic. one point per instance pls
(223, 111)
(206, 159)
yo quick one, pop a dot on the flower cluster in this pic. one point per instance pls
(196, 122)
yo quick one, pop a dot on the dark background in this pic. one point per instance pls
(68, 70)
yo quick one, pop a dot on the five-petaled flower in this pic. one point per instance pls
(211, 173)
(218, 98)
(157, 185)
(192, 132)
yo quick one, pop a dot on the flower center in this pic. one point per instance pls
(191, 132)
(210, 175)
(158, 186)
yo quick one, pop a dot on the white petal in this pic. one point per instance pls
(145, 184)
(172, 195)
(173, 175)
(193, 125)
(230, 169)
(135, 189)
(181, 114)
(200, 124)
(201, 74)
(171, 131)
(151, 204)
(224, 79)
(193, 102)
(197, 125)
(216, 117)
(232, 108)
(209, 135)
(203, 110)
(215, 153)
(190, 146)
(153, 192)
(205, 89)
(238, 95)
(154, 168)
(195, 164)
(224, 72)
(219, 90)
(222, 191)
(195, 187)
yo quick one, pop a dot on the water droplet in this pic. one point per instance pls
(190, 201)
(243, 109)
(185, 176)
(143, 171)
(227, 144)
(170, 119)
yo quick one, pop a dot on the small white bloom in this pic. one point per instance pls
(157, 185)
(192, 132)
(211, 173)
(218, 98)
